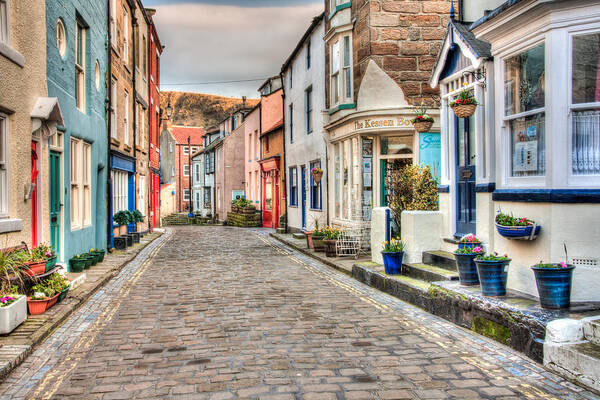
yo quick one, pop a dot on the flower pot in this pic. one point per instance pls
(140, 226)
(116, 231)
(423, 126)
(100, 255)
(317, 176)
(467, 270)
(468, 245)
(50, 263)
(13, 315)
(464, 110)
(37, 307)
(330, 248)
(63, 294)
(88, 261)
(76, 264)
(392, 262)
(528, 232)
(34, 268)
(122, 230)
(554, 286)
(309, 241)
(492, 277)
(318, 243)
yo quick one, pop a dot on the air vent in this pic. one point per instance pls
(584, 262)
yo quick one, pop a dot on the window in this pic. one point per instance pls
(97, 75)
(126, 119)
(144, 52)
(347, 68)
(308, 55)
(335, 73)
(341, 71)
(186, 194)
(309, 107)
(186, 170)
(196, 201)
(257, 145)
(61, 37)
(170, 147)
(81, 192)
(197, 173)
(293, 186)
(291, 123)
(80, 67)
(585, 99)
(207, 197)
(3, 166)
(524, 102)
(142, 194)
(315, 188)
(113, 109)
(137, 110)
(291, 75)
(267, 144)
(125, 36)
(172, 171)
(142, 127)
(4, 32)
(120, 188)
(186, 150)
(113, 24)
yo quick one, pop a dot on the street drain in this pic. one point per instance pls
(177, 348)
(152, 351)
(362, 344)
(198, 361)
(363, 378)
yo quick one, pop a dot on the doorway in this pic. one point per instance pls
(34, 194)
(465, 176)
(268, 201)
(55, 201)
(387, 167)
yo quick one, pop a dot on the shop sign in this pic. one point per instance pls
(388, 123)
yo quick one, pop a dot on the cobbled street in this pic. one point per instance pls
(221, 313)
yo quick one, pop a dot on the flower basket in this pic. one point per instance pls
(50, 263)
(13, 315)
(34, 268)
(37, 307)
(469, 245)
(554, 285)
(527, 232)
(467, 270)
(63, 294)
(317, 176)
(464, 110)
(318, 243)
(492, 277)
(423, 126)
(77, 264)
(330, 247)
(392, 262)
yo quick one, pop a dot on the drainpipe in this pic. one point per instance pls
(284, 180)
(109, 105)
(133, 26)
(178, 195)
(260, 198)
(189, 175)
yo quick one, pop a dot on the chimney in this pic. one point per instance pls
(243, 101)
(167, 124)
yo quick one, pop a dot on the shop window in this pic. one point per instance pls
(293, 186)
(337, 169)
(396, 145)
(315, 188)
(524, 100)
(585, 153)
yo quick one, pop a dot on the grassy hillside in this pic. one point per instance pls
(199, 109)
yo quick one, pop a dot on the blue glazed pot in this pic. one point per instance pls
(554, 286)
(518, 232)
(492, 277)
(469, 245)
(392, 262)
(467, 270)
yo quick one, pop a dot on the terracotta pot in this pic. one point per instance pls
(34, 268)
(464, 110)
(122, 230)
(37, 307)
(309, 242)
(423, 126)
(139, 226)
(317, 176)
(116, 231)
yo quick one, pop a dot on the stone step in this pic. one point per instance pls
(441, 259)
(578, 361)
(591, 329)
(299, 235)
(429, 273)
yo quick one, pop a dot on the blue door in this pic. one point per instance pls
(465, 176)
(303, 180)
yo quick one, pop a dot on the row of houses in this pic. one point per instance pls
(343, 103)
(79, 121)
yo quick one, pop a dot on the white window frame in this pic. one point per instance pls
(4, 184)
(186, 195)
(61, 36)
(81, 185)
(120, 189)
(126, 117)
(125, 36)
(4, 22)
(142, 194)
(80, 68)
(186, 169)
(113, 112)
(343, 68)
(142, 124)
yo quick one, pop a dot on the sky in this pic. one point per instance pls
(228, 40)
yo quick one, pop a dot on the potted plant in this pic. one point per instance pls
(317, 174)
(121, 218)
(13, 305)
(464, 105)
(93, 256)
(331, 237)
(36, 263)
(318, 237)
(77, 263)
(465, 262)
(46, 251)
(422, 122)
(99, 254)
(554, 282)
(89, 260)
(59, 284)
(516, 228)
(138, 218)
(493, 271)
(469, 241)
(43, 298)
(393, 253)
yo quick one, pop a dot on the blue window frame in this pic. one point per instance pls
(293, 186)
(308, 109)
(316, 200)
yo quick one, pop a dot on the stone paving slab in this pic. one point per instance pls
(17, 345)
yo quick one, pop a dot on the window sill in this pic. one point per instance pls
(348, 106)
(114, 141)
(339, 8)
(293, 206)
(12, 54)
(316, 209)
(11, 225)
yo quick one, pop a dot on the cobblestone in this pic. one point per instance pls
(223, 313)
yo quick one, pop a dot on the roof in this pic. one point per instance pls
(181, 134)
(316, 21)
(47, 108)
(480, 48)
(268, 81)
(494, 13)
(278, 125)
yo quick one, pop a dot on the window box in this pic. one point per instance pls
(13, 315)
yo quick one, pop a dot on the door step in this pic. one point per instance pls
(429, 273)
(299, 235)
(591, 330)
(441, 259)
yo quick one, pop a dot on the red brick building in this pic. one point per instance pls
(184, 150)
(154, 51)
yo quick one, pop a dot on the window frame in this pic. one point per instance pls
(126, 117)
(293, 178)
(339, 86)
(125, 36)
(4, 166)
(80, 66)
(308, 104)
(308, 59)
(186, 169)
(5, 27)
(114, 132)
(61, 46)
(291, 116)
(80, 177)
(113, 23)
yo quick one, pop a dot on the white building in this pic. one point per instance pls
(198, 182)
(305, 148)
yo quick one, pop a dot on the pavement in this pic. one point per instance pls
(223, 313)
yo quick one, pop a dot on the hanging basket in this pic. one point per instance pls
(528, 232)
(464, 110)
(423, 126)
(317, 176)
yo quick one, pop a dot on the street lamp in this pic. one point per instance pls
(169, 110)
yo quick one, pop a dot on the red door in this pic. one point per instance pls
(34, 194)
(267, 205)
(156, 201)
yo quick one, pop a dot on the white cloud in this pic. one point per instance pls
(206, 43)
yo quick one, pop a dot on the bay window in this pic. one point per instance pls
(585, 104)
(524, 106)
(341, 71)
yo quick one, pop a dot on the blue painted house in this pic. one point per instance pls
(76, 75)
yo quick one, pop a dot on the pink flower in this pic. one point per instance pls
(477, 249)
(563, 264)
